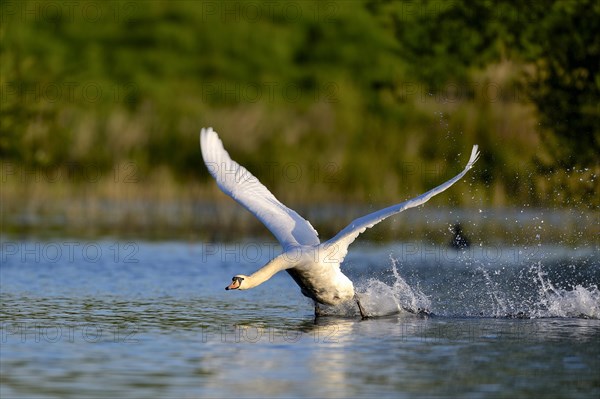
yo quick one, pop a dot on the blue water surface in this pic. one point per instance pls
(111, 318)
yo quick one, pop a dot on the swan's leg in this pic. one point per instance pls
(317, 310)
(362, 311)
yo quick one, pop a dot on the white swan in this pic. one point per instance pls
(315, 266)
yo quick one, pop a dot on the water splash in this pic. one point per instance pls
(490, 292)
(468, 285)
(380, 299)
(579, 301)
(501, 305)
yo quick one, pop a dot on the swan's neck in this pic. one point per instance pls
(266, 272)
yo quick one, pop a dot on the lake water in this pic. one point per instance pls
(152, 319)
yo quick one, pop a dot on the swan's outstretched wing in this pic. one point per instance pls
(337, 247)
(287, 226)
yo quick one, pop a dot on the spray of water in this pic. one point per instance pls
(530, 294)
(579, 301)
(381, 299)
(477, 288)
(501, 305)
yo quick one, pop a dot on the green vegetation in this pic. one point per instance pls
(355, 101)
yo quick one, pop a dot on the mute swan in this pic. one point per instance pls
(313, 265)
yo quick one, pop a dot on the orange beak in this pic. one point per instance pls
(235, 284)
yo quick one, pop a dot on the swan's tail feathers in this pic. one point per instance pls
(474, 157)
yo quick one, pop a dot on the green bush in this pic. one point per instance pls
(360, 85)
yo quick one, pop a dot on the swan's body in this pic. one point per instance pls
(315, 266)
(318, 279)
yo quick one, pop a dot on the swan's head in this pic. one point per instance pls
(237, 282)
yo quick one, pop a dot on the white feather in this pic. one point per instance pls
(314, 266)
(338, 245)
(287, 226)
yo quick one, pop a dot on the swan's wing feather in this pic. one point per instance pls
(287, 226)
(338, 245)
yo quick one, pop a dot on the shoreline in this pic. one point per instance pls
(216, 220)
